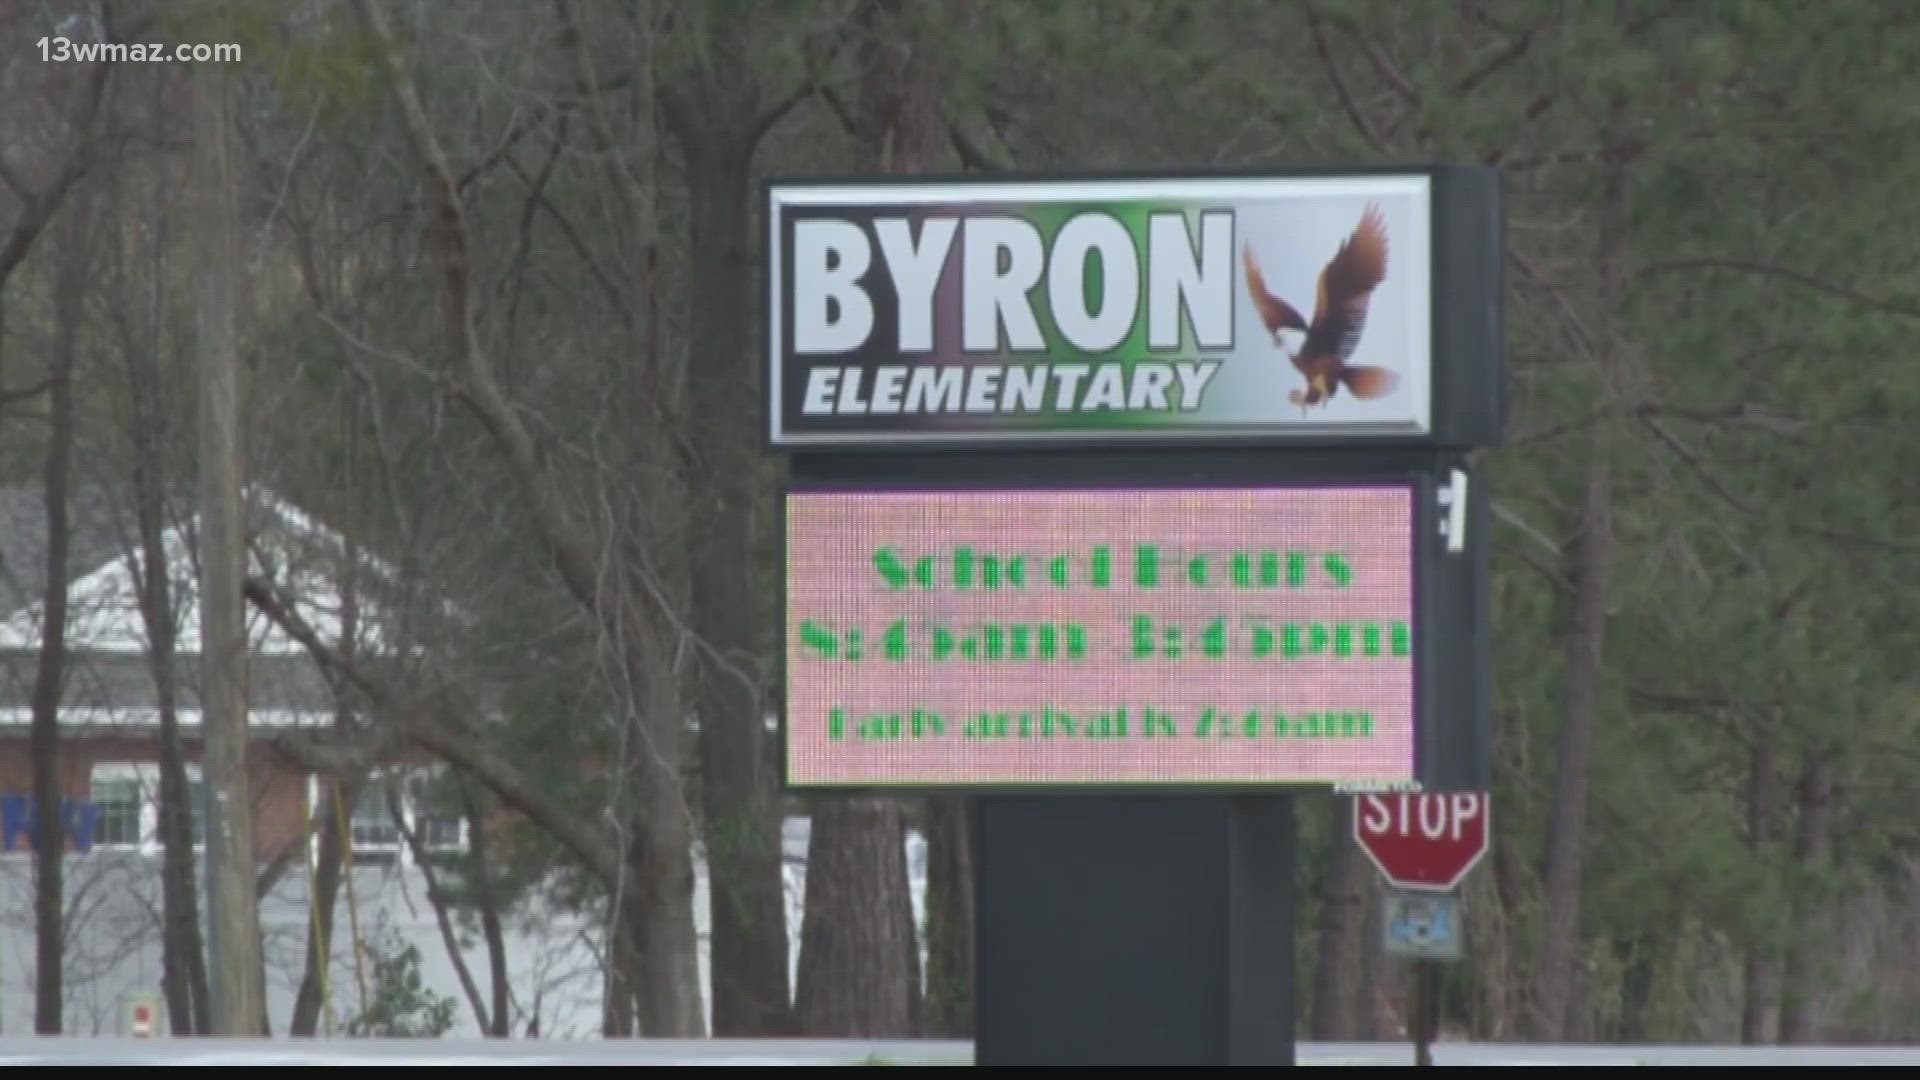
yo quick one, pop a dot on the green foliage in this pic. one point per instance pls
(402, 1007)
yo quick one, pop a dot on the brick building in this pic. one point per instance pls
(109, 714)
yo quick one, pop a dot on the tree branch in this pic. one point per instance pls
(1557, 579)
(9, 397)
(1691, 704)
(537, 196)
(437, 897)
(426, 726)
(1549, 98)
(1583, 337)
(1534, 110)
(1513, 518)
(778, 110)
(14, 180)
(563, 539)
(277, 606)
(1514, 49)
(678, 114)
(1743, 414)
(838, 105)
(1382, 63)
(39, 207)
(1360, 121)
(1554, 431)
(271, 874)
(972, 155)
(1620, 153)
(1902, 308)
(1699, 467)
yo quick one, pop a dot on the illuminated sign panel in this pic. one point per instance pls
(1134, 636)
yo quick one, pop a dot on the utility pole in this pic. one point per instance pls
(237, 974)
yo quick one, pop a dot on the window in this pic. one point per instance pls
(117, 801)
(426, 807)
(372, 826)
(431, 803)
(126, 800)
(441, 832)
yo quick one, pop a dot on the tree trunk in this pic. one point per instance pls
(622, 976)
(668, 998)
(899, 124)
(665, 960)
(1343, 912)
(239, 975)
(1585, 643)
(851, 927)
(50, 836)
(325, 896)
(183, 963)
(739, 800)
(1758, 977)
(1566, 824)
(490, 928)
(1799, 985)
(950, 924)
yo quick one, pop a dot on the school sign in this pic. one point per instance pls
(1120, 310)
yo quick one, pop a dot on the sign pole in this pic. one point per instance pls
(1423, 1012)
(1135, 929)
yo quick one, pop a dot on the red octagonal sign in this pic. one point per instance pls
(1425, 841)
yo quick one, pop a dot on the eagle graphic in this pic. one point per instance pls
(1339, 316)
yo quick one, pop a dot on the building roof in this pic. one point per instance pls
(110, 680)
(98, 514)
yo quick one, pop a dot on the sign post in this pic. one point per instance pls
(142, 1016)
(1040, 549)
(1424, 846)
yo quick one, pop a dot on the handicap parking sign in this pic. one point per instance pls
(1422, 924)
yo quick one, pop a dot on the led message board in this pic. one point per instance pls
(1101, 636)
(1063, 311)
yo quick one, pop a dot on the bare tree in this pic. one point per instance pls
(655, 901)
(50, 838)
(39, 202)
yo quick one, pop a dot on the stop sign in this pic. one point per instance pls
(1426, 841)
